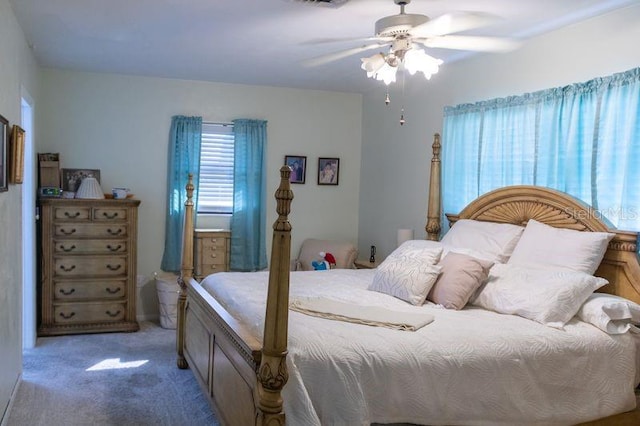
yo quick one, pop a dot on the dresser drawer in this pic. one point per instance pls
(205, 270)
(213, 242)
(94, 289)
(109, 213)
(92, 230)
(213, 255)
(71, 213)
(72, 313)
(90, 246)
(76, 266)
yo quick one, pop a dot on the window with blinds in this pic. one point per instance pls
(215, 188)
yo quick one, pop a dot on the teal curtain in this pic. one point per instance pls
(583, 139)
(248, 223)
(184, 157)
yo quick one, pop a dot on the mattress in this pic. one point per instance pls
(469, 367)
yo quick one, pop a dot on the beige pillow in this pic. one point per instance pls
(461, 276)
(345, 253)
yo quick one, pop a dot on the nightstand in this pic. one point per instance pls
(365, 264)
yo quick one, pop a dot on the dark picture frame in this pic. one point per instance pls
(72, 178)
(328, 170)
(4, 167)
(298, 165)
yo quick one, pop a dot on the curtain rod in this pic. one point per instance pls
(212, 123)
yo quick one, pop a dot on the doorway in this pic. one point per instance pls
(29, 303)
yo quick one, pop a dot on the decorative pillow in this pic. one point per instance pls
(487, 240)
(611, 314)
(460, 278)
(429, 251)
(550, 297)
(408, 275)
(548, 247)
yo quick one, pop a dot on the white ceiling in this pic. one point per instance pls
(259, 42)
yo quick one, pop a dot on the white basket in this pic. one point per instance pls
(168, 292)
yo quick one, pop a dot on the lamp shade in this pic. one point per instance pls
(404, 235)
(90, 188)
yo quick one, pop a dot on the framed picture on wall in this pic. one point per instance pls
(298, 164)
(16, 169)
(4, 167)
(328, 171)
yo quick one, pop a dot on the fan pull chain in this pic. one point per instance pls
(387, 100)
(402, 121)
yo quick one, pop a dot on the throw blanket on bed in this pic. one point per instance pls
(367, 315)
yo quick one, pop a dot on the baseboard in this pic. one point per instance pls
(7, 412)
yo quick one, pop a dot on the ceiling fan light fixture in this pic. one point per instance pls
(377, 67)
(416, 60)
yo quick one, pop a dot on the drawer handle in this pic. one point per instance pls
(116, 232)
(72, 216)
(214, 255)
(65, 232)
(68, 269)
(112, 290)
(110, 216)
(67, 292)
(116, 248)
(67, 316)
(67, 249)
(113, 314)
(113, 267)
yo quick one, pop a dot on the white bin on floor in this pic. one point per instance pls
(168, 291)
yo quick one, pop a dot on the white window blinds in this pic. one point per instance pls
(215, 188)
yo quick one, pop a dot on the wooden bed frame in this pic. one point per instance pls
(243, 377)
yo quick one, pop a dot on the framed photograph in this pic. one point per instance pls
(298, 164)
(72, 178)
(16, 167)
(4, 169)
(328, 171)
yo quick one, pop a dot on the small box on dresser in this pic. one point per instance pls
(211, 251)
(88, 266)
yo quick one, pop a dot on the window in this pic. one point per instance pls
(215, 188)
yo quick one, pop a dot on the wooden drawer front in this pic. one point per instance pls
(210, 269)
(91, 246)
(213, 242)
(81, 290)
(75, 266)
(71, 313)
(71, 213)
(214, 256)
(96, 230)
(109, 213)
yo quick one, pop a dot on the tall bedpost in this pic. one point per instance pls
(433, 226)
(186, 271)
(273, 373)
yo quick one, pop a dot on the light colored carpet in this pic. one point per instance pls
(66, 382)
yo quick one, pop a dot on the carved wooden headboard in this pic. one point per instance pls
(518, 204)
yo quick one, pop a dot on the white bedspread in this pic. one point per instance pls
(470, 367)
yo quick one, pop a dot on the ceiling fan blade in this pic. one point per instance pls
(343, 39)
(321, 60)
(453, 23)
(475, 43)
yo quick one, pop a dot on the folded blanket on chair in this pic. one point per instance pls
(366, 315)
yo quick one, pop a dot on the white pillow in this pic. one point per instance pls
(611, 314)
(432, 249)
(548, 247)
(485, 240)
(550, 297)
(408, 275)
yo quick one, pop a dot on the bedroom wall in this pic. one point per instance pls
(17, 69)
(120, 125)
(396, 160)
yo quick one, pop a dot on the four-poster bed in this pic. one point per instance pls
(243, 373)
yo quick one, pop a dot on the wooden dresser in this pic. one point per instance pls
(211, 251)
(88, 266)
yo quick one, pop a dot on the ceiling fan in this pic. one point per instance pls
(405, 34)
